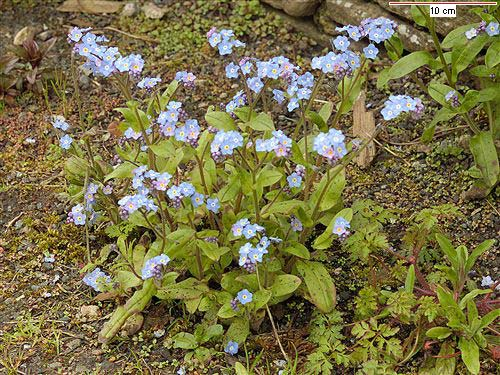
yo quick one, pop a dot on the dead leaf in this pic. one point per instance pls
(364, 127)
(90, 6)
(133, 324)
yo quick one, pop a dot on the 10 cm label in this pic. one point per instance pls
(443, 10)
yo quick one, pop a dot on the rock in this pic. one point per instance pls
(45, 35)
(23, 35)
(296, 8)
(89, 312)
(90, 6)
(153, 11)
(130, 9)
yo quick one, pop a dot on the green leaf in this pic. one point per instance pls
(240, 369)
(317, 120)
(261, 298)
(438, 92)
(467, 55)
(226, 311)
(187, 289)
(476, 253)
(284, 285)
(438, 333)
(444, 114)
(326, 111)
(239, 330)
(410, 279)
(481, 71)
(490, 318)
(164, 149)
(212, 250)
(417, 16)
(485, 156)
(285, 207)
(456, 37)
(319, 284)
(448, 250)
(333, 195)
(220, 120)
(446, 362)
(184, 340)
(269, 176)
(123, 170)
(470, 354)
(493, 54)
(406, 65)
(262, 122)
(298, 250)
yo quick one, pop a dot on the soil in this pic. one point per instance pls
(45, 325)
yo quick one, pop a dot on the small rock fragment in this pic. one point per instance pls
(153, 11)
(130, 9)
(89, 312)
(23, 35)
(133, 324)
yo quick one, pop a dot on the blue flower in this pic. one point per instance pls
(250, 231)
(237, 227)
(148, 82)
(162, 181)
(224, 142)
(244, 296)
(296, 224)
(330, 145)
(371, 51)
(187, 189)
(65, 142)
(341, 43)
(255, 84)
(232, 70)
(197, 199)
(278, 95)
(59, 122)
(153, 267)
(181, 134)
(341, 226)
(471, 33)
(174, 192)
(294, 180)
(231, 348)
(492, 29)
(213, 205)
(215, 39)
(225, 47)
(244, 251)
(396, 104)
(97, 280)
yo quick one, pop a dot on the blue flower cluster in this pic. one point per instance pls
(224, 40)
(341, 227)
(170, 127)
(102, 60)
(148, 83)
(340, 65)
(186, 190)
(243, 227)
(154, 267)
(59, 122)
(279, 143)
(97, 280)
(79, 214)
(187, 78)
(239, 100)
(491, 29)
(224, 144)
(396, 104)
(330, 145)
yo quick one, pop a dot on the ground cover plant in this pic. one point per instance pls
(229, 222)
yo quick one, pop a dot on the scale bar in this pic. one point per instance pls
(442, 3)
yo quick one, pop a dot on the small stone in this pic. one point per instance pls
(54, 365)
(89, 312)
(73, 344)
(45, 35)
(152, 11)
(130, 9)
(23, 35)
